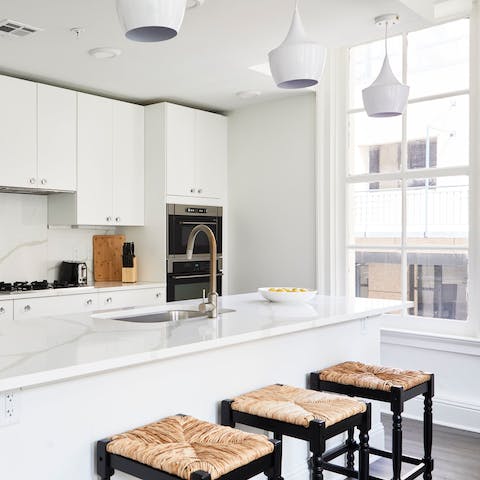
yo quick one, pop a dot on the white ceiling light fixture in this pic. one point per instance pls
(151, 20)
(104, 53)
(248, 94)
(298, 62)
(194, 3)
(386, 96)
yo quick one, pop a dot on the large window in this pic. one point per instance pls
(408, 176)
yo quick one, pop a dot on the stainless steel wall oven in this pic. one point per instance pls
(186, 279)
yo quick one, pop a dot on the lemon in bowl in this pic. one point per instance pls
(287, 294)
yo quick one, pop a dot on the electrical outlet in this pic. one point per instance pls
(9, 407)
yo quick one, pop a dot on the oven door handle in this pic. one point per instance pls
(197, 223)
(185, 277)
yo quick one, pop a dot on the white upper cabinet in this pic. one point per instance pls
(211, 154)
(18, 133)
(128, 164)
(95, 148)
(110, 166)
(57, 138)
(196, 152)
(180, 150)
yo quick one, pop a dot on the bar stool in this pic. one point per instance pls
(307, 415)
(390, 385)
(183, 447)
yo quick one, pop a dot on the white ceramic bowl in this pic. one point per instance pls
(287, 297)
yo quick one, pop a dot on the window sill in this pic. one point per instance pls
(432, 341)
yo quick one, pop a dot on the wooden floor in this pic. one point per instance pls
(456, 453)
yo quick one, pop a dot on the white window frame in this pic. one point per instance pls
(333, 179)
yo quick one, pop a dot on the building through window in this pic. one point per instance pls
(408, 177)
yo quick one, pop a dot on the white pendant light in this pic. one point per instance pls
(151, 20)
(386, 96)
(297, 62)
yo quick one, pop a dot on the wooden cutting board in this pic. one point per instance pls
(107, 257)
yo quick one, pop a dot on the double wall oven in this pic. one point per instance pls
(186, 279)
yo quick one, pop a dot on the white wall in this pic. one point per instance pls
(455, 361)
(29, 250)
(271, 188)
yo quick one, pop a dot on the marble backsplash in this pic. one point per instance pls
(29, 250)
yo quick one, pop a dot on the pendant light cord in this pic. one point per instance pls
(386, 37)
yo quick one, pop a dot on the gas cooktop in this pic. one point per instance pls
(13, 287)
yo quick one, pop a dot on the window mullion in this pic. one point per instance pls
(403, 169)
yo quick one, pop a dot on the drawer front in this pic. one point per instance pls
(6, 311)
(131, 298)
(38, 307)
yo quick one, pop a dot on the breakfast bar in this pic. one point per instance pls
(81, 377)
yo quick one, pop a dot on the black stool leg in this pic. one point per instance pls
(104, 470)
(275, 473)
(279, 438)
(350, 464)
(397, 409)
(364, 450)
(317, 447)
(428, 431)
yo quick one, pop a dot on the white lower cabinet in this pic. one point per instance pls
(6, 311)
(38, 307)
(140, 297)
(87, 302)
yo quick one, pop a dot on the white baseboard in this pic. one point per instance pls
(447, 412)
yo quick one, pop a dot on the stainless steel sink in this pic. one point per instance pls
(167, 316)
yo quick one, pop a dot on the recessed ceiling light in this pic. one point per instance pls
(247, 94)
(194, 3)
(104, 53)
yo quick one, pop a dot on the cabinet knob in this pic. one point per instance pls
(200, 190)
(109, 219)
(89, 301)
(109, 300)
(43, 181)
(117, 219)
(158, 295)
(2, 310)
(32, 181)
(192, 190)
(27, 308)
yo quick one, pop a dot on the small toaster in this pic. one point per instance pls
(74, 273)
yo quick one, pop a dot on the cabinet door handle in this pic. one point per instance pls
(117, 219)
(2, 310)
(192, 190)
(43, 181)
(158, 295)
(32, 181)
(109, 300)
(200, 190)
(27, 308)
(109, 219)
(89, 301)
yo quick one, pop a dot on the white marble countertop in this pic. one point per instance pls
(55, 348)
(97, 286)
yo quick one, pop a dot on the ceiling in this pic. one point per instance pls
(204, 66)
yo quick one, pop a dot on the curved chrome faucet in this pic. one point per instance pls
(209, 307)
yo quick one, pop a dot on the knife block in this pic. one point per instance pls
(129, 274)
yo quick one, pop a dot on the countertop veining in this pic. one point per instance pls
(55, 348)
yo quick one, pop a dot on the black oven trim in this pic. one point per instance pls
(174, 279)
(191, 215)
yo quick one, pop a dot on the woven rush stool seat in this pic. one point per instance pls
(391, 385)
(297, 405)
(307, 415)
(181, 446)
(373, 377)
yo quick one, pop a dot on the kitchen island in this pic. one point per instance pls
(78, 378)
